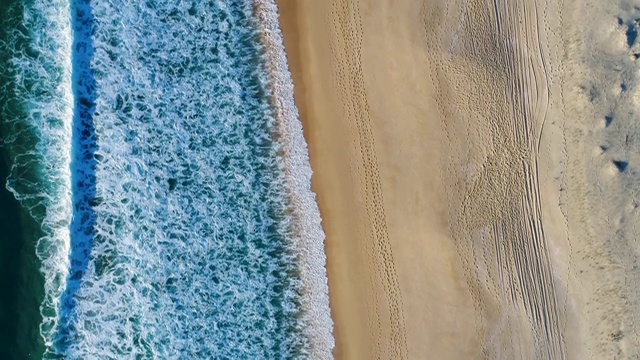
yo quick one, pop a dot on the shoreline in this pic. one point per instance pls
(306, 231)
(322, 181)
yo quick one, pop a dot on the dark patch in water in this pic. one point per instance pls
(172, 183)
(83, 163)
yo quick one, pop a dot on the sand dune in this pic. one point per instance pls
(475, 164)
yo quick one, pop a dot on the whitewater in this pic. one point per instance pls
(166, 164)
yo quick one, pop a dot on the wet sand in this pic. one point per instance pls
(477, 200)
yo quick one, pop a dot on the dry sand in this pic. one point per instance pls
(476, 165)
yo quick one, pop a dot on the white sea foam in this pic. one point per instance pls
(308, 236)
(207, 242)
(40, 142)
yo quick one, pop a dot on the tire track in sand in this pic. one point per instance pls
(493, 90)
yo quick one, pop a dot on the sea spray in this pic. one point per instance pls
(306, 235)
(38, 139)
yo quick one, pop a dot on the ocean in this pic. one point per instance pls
(164, 208)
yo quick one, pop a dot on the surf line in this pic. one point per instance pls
(306, 234)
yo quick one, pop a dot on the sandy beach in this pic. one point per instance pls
(475, 169)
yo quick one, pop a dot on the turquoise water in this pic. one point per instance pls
(160, 152)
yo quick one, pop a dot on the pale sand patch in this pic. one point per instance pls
(601, 79)
(452, 144)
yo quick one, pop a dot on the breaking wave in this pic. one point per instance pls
(160, 149)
